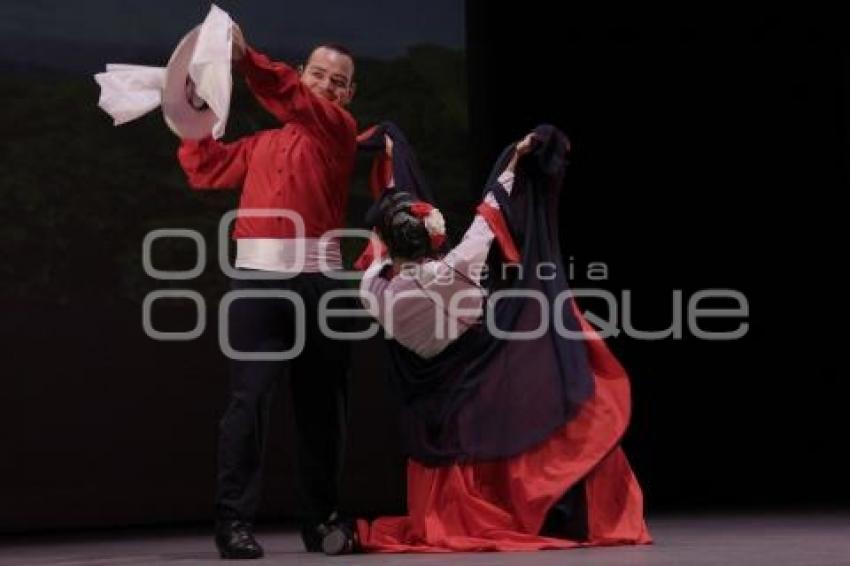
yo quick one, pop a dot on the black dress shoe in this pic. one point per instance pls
(341, 539)
(312, 535)
(235, 540)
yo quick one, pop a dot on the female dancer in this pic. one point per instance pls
(513, 408)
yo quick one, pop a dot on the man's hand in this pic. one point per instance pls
(388, 148)
(239, 44)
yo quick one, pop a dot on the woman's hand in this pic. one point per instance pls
(524, 146)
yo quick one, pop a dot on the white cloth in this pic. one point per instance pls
(302, 255)
(128, 92)
(210, 66)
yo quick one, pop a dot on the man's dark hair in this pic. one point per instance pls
(338, 47)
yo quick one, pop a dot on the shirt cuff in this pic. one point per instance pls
(506, 179)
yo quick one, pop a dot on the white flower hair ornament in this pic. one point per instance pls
(433, 220)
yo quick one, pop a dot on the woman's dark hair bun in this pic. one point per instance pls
(403, 233)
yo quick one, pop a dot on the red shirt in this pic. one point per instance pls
(304, 166)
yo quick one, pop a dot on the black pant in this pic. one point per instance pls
(318, 380)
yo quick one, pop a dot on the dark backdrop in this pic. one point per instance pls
(710, 151)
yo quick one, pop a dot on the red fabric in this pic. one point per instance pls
(499, 227)
(374, 249)
(304, 166)
(366, 134)
(501, 505)
(420, 209)
(379, 179)
(381, 174)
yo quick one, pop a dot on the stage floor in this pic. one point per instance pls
(770, 539)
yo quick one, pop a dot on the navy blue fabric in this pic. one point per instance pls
(484, 398)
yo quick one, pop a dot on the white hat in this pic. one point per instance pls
(185, 112)
(194, 90)
(198, 82)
